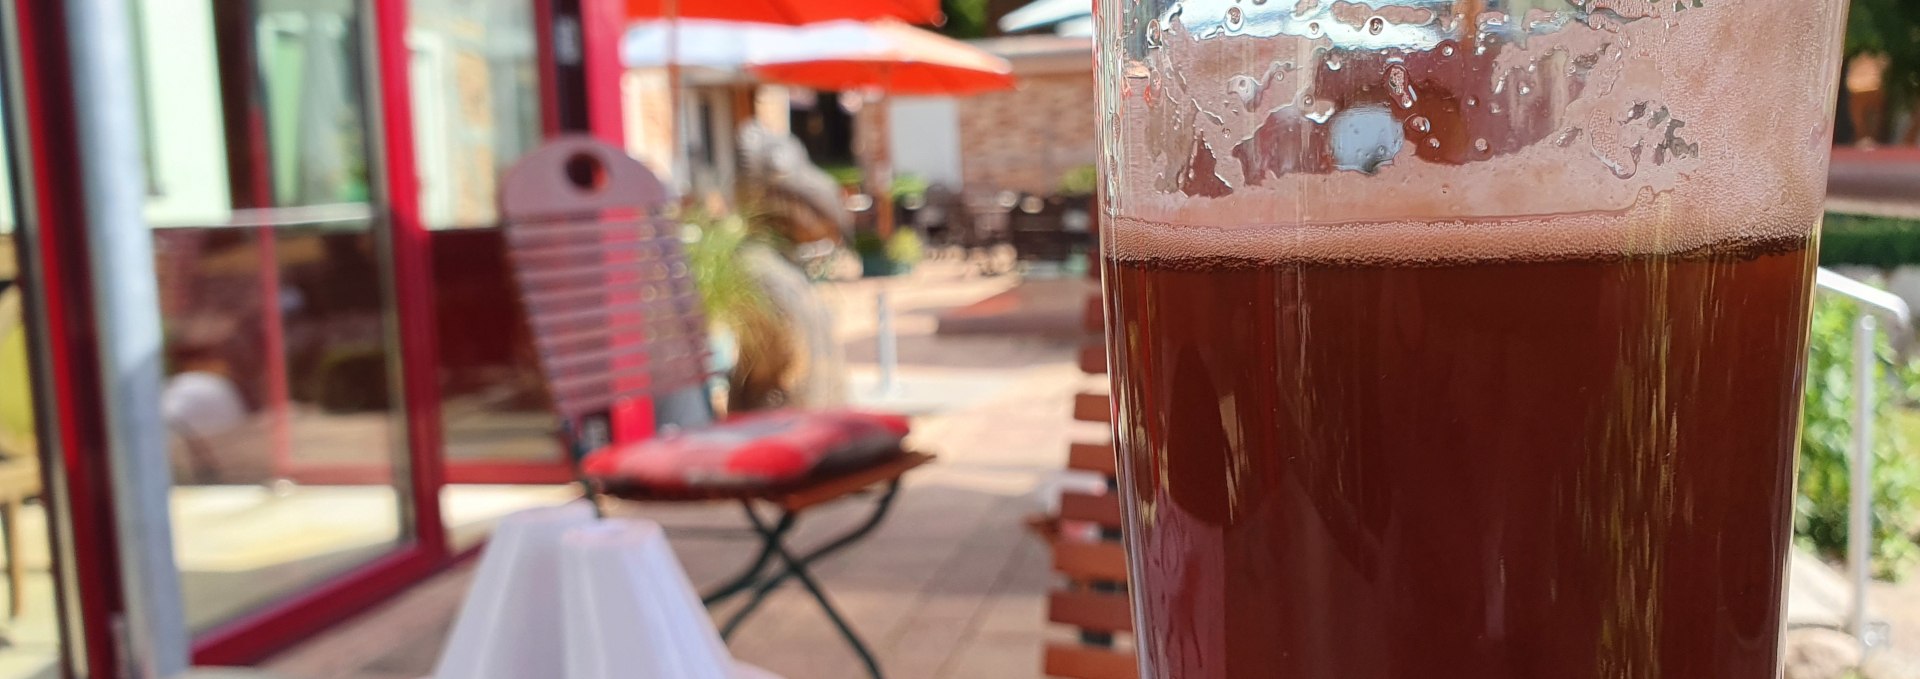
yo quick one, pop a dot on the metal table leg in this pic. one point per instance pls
(763, 581)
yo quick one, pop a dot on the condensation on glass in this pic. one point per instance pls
(1247, 118)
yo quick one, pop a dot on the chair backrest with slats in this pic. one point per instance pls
(613, 307)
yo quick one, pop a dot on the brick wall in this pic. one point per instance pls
(1028, 138)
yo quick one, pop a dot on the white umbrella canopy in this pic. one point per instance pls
(1042, 13)
(743, 45)
(1075, 28)
(740, 45)
(703, 42)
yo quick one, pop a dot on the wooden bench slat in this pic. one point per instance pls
(1088, 610)
(1079, 662)
(1093, 358)
(1100, 509)
(1090, 561)
(1091, 407)
(1094, 317)
(1092, 457)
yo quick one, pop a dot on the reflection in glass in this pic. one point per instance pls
(282, 416)
(476, 102)
(476, 111)
(284, 421)
(310, 67)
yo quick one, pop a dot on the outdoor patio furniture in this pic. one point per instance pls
(617, 323)
(1037, 227)
(983, 230)
(935, 219)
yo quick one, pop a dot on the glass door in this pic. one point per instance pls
(291, 442)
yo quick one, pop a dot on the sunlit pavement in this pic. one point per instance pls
(952, 585)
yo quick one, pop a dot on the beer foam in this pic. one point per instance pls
(1320, 133)
(1648, 230)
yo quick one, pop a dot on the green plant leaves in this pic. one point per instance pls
(1826, 434)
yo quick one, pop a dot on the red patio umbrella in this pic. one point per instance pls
(893, 58)
(890, 56)
(791, 12)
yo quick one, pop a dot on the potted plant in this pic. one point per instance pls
(889, 256)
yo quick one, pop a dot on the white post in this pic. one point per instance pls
(889, 357)
(106, 121)
(1860, 485)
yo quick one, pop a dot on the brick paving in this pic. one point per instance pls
(952, 585)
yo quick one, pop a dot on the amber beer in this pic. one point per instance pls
(1498, 470)
(1447, 342)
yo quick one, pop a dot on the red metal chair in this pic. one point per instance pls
(617, 322)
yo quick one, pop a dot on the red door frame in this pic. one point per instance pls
(603, 22)
(56, 206)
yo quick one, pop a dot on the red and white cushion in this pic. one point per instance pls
(754, 450)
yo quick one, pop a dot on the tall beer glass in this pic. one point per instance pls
(1460, 338)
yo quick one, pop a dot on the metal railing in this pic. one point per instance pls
(1875, 305)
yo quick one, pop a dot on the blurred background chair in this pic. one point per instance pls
(622, 340)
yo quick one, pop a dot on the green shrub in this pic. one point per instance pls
(908, 186)
(1820, 521)
(868, 244)
(966, 19)
(1080, 181)
(847, 176)
(729, 292)
(905, 247)
(905, 184)
(1884, 242)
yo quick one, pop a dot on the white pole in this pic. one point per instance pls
(100, 36)
(1860, 485)
(682, 172)
(889, 357)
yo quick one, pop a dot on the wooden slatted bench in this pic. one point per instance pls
(1084, 535)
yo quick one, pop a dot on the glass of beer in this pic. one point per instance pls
(1460, 338)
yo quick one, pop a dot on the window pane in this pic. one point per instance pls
(316, 121)
(477, 110)
(286, 430)
(476, 102)
(180, 111)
